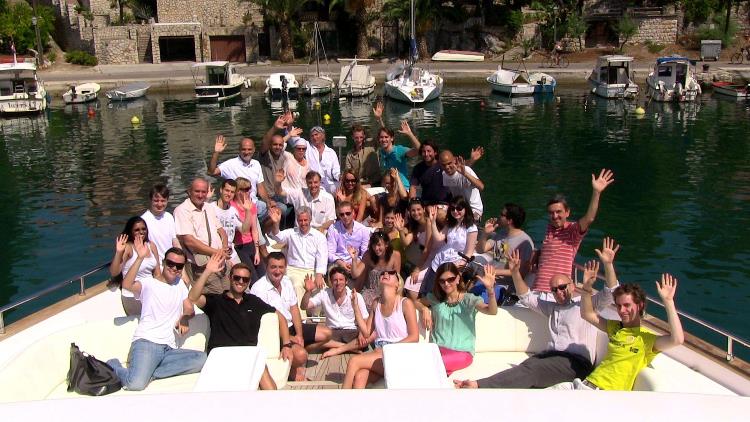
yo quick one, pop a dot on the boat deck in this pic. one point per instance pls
(322, 374)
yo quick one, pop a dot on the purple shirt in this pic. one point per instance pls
(339, 239)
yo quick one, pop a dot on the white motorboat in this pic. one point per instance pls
(673, 79)
(216, 81)
(318, 84)
(21, 89)
(544, 83)
(611, 78)
(82, 93)
(457, 56)
(355, 80)
(282, 85)
(510, 82)
(130, 91)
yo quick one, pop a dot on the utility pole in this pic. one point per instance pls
(35, 22)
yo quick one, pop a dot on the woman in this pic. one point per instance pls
(390, 219)
(394, 197)
(417, 230)
(450, 312)
(363, 160)
(246, 236)
(124, 258)
(351, 191)
(379, 257)
(297, 168)
(394, 320)
(458, 235)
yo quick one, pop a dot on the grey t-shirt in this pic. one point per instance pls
(505, 244)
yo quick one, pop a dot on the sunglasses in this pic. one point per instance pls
(350, 180)
(245, 190)
(347, 214)
(446, 280)
(560, 288)
(176, 265)
(389, 272)
(240, 278)
(458, 208)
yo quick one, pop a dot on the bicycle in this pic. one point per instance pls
(554, 60)
(739, 56)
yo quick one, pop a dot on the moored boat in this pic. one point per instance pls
(355, 80)
(610, 77)
(216, 81)
(82, 93)
(732, 90)
(510, 82)
(318, 84)
(543, 82)
(457, 56)
(130, 91)
(21, 89)
(673, 79)
(282, 85)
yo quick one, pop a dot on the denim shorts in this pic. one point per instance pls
(380, 343)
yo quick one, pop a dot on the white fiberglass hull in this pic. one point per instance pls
(22, 103)
(319, 85)
(83, 93)
(515, 90)
(663, 94)
(628, 92)
(413, 94)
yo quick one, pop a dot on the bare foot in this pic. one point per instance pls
(332, 352)
(299, 374)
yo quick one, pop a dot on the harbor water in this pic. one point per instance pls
(680, 203)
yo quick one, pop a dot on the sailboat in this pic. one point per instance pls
(319, 84)
(409, 83)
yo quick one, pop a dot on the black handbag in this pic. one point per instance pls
(90, 376)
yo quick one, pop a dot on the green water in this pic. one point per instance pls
(679, 204)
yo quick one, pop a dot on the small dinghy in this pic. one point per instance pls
(128, 92)
(732, 90)
(83, 93)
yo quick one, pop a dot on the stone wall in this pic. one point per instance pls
(117, 44)
(657, 29)
(209, 13)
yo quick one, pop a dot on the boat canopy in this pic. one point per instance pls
(614, 58)
(509, 77)
(212, 64)
(673, 59)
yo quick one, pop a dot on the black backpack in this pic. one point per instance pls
(90, 376)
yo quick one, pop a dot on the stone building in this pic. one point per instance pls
(658, 24)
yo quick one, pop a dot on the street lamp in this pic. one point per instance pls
(35, 21)
(554, 24)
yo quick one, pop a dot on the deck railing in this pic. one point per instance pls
(730, 338)
(80, 278)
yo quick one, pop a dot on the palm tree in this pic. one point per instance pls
(282, 13)
(358, 10)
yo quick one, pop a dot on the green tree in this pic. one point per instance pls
(626, 28)
(577, 27)
(427, 15)
(16, 26)
(282, 13)
(358, 9)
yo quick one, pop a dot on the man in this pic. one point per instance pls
(336, 302)
(201, 235)
(320, 202)
(428, 175)
(631, 347)
(306, 249)
(321, 158)
(460, 179)
(235, 315)
(245, 166)
(510, 238)
(160, 223)
(571, 352)
(272, 161)
(363, 159)
(562, 239)
(276, 290)
(396, 156)
(346, 233)
(153, 352)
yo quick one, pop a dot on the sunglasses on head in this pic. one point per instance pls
(240, 278)
(176, 265)
(560, 288)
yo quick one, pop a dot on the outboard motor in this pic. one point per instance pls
(284, 84)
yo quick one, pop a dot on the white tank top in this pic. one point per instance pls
(393, 327)
(146, 269)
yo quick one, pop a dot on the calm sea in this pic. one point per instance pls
(680, 204)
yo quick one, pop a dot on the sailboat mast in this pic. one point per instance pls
(413, 41)
(317, 58)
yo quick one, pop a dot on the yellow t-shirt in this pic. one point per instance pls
(629, 350)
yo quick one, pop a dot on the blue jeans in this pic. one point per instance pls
(147, 361)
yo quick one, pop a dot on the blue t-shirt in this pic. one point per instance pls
(396, 159)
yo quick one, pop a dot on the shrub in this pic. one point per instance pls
(654, 47)
(52, 56)
(81, 57)
(714, 30)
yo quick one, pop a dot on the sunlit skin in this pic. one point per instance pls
(318, 139)
(299, 153)
(416, 212)
(276, 269)
(313, 185)
(379, 248)
(239, 286)
(628, 310)
(346, 216)
(385, 140)
(458, 214)
(448, 163)
(303, 222)
(247, 149)
(428, 155)
(171, 274)
(558, 215)
(227, 193)
(277, 146)
(562, 296)
(389, 221)
(449, 283)
(198, 192)
(359, 140)
(158, 204)
(139, 229)
(338, 284)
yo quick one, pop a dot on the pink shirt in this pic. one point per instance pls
(239, 237)
(558, 253)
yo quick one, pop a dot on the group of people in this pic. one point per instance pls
(293, 234)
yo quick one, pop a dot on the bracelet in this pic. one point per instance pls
(289, 345)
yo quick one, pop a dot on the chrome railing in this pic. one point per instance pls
(730, 338)
(80, 278)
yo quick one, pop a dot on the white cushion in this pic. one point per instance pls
(236, 368)
(414, 365)
(513, 329)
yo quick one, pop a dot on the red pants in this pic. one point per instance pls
(455, 360)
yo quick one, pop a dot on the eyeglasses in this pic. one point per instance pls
(560, 288)
(389, 272)
(176, 265)
(446, 280)
(347, 213)
(240, 278)
(301, 148)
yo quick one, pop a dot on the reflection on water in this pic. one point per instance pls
(680, 202)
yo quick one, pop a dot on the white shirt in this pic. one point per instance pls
(161, 230)
(282, 301)
(455, 242)
(458, 184)
(327, 164)
(308, 251)
(160, 311)
(339, 316)
(323, 207)
(229, 219)
(252, 171)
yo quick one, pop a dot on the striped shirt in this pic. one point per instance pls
(558, 253)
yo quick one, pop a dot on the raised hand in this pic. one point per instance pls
(247, 203)
(394, 174)
(216, 263)
(608, 251)
(377, 111)
(491, 225)
(120, 243)
(280, 122)
(141, 248)
(309, 283)
(590, 271)
(477, 153)
(667, 288)
(605, 178)
(288, 117)
(405, 129)
(488, 279)
(340, 195)
(295, 132)
(514, 261)
(210, 194)
(352, 252)
(432, 212)
(398, 222)
(220, 144)
(460, 164)
(275, 215)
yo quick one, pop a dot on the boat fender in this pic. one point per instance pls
(327, 119)
(247, 83)
(91, 112)
(640, 111)
(135, 120)
(317, 104)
